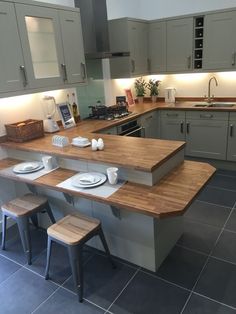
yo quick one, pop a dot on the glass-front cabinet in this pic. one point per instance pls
(42, 46)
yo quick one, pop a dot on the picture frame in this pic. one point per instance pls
(66, 115)
(129, 96)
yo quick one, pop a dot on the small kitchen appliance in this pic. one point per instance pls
(170, 94)
(49, 125)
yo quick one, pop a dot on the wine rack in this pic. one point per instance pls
(198, 41)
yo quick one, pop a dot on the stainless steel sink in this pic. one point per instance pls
(215, 104)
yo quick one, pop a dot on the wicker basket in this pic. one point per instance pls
(24, 130)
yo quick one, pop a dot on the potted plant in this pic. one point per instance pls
(153, 88)
(140, 88)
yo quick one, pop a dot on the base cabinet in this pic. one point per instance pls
(231, 149)
(150, 124)
(172, 125)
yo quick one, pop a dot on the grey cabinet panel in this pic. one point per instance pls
(157, 47)
(73, 46)
(207, 115)
(231, 149)
(219, 41)
(172, 129)
(206, 138)
(11, 57)
(180, 44)
(41, 43)
(151, 125)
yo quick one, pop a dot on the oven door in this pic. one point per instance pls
(136, 132)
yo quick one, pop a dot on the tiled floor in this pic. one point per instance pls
(198, 276)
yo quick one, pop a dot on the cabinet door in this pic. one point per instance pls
(179, 44)
(138, 43)
(150, 123)
(219, 41)
(73, 47)
(157, 47)
(11, 57)
(42, 46)
(206, 138)
(231, 151)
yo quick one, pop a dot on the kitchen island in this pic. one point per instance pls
(142, 221)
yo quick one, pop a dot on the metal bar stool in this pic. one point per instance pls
(72, 232)
(21, 209)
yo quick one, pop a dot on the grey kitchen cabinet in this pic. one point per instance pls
(231, 149)
(157, 47)
(206, 134)
(52, 46)
(172, 125)
(112, 131)
(129, 35)
(219, 41)
(150, 124)
(11, 61)
(180, 45)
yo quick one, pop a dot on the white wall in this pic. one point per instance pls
(123, 8)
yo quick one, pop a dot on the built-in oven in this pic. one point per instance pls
(131, 128)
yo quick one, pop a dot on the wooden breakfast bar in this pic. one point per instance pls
(143, 218)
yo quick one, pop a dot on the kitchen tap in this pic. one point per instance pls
(209, 97)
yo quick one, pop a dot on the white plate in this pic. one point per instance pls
(88, 179)
(81, 145)
(28, 167)
(100, 178)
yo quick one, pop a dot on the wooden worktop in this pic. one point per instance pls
(171, 196)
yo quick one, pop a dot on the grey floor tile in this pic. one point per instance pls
(102, 283)
(230, 173)
(65, 302)
(206, 213)
(14, 249)
(226, 247)
(231, 223)
(218, 196)
(23, 292)
(182, 267)
(201, 305)
(7, 268)
(198, 236)
(147, 294)
(225, 182)
(218, 282)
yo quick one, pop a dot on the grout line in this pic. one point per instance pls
(192, 250)
(220, 188)
(197, 200)
(206, 262)
(204, 296)
(10, 259)
(223, 260)
(45, 300)
(124, 288)
(2, 282)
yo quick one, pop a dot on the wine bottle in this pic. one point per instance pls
(75, 109)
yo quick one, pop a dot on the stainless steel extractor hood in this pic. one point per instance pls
(95, 30)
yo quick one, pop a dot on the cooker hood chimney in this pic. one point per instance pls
(95, 30)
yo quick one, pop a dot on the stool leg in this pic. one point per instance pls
(4, 225)
(49, 251)
(34, 219)
(23, 226)
(75, 257)
(104, 242)
(50, 214)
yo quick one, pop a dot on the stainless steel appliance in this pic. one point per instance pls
(131, 128)
(103, 112)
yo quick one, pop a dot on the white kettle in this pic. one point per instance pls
(170, 94)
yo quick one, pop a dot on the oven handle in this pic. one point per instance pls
(135, 130)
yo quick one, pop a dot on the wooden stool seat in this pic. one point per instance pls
(24, 205)
(73, 231)
(73, 228)
(21, 209)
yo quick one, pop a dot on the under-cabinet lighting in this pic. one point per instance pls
(227, 75)
(190, 77)
(125, 83)
(14, 102)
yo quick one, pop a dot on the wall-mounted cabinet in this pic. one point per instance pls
(129, 35)
(157, 47)
(41, 47)
(179, 45)
(219, 41)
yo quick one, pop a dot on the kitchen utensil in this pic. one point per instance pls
(80, 141)
(99, 178)
(94, 144)
(47, 162)
(100, 144)
(112, 175)
(28, 167)
(59, 140)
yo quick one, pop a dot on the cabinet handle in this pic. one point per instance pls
(63, 66)
(83, 67)
(187, 127)
(189, 61)
(25, 80)
(132, 66)
(149, 64)
(182, 127)
(233, 58)
(231, 129)
(206, 115)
